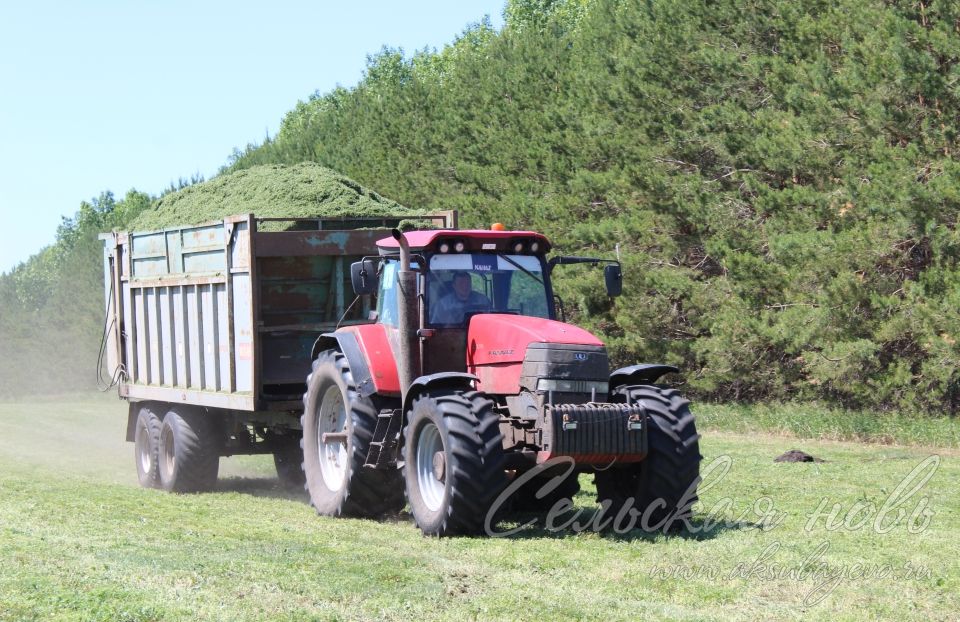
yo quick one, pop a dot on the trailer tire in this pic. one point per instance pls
(669, 475)
(189, 451)
(146, 447)
(338, 483)
(453, 461)
(289, 462)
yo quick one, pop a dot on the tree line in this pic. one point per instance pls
(780, 178)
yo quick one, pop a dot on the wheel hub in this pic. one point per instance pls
(439, 466)
(431, 466)
(332, 438)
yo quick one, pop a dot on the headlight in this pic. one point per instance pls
(444, 247)
(459, 246)
(572, 386)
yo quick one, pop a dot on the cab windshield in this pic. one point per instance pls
(463, 284)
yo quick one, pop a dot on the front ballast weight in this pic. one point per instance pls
(596, 433)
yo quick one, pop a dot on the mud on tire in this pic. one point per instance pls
(671, 468)
(338, 483)
(453, 461)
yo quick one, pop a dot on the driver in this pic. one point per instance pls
(451, 308)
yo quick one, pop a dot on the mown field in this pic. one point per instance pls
(80, 541)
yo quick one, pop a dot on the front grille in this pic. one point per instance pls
(561, 361)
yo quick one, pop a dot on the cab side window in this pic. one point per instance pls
(387, 312)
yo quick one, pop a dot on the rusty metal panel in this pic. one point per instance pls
(148, 253)
(194, 337)
(174, 252)
(243, 331)
(178, 357)
(205, 261)
(240, 249)
(142, 343)
(223, 354)
(203, 237)
(232, 401)
(167, 336)
(211, 380)
(313, 243)
(152, 307)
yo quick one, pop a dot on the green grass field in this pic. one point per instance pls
(80, 541)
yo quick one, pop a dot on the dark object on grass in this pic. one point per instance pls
(795, 455)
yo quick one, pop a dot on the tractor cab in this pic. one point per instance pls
(462, 275)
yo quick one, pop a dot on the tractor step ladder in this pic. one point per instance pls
(383, 448)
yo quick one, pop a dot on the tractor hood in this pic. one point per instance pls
(502, 338)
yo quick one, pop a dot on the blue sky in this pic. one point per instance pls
(103, 95)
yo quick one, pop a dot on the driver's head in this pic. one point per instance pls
(462, 285)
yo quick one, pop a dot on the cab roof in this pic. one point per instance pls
(421, 240)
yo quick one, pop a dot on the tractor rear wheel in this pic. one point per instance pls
(662, 488)
(146, 447)
(189, 451)
(338, 425)
(453, 461)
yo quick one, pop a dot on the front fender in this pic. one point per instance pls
(645, 373)
(346, 342)
(447, 379)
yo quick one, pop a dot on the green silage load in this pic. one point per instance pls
(304, 190)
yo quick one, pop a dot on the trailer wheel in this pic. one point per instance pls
(669, 475)
(289, 462)
(338, 425)
(189, 452)
(146, 447)
(453, 461)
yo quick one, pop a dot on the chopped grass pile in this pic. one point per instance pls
(275, 191)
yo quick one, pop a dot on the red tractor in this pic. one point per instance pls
(467, 380)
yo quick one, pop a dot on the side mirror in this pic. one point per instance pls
(614, 278)
(363, 277)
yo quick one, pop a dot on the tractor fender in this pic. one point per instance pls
(645, 373)
(447, 379)
(346, 342)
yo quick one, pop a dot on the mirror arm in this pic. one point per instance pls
(572, 259)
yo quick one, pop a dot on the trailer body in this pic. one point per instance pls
(222, 316)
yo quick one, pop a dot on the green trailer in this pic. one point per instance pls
(211, 331)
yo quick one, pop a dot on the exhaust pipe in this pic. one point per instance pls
(408, 367)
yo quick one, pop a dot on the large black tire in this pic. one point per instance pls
(453, 461)
(671, 470)
(189, 451)
(146, 446)
(288, 458)
(338, 483)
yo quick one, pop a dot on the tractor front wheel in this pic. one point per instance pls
(453, 461)
(663, 487)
